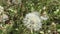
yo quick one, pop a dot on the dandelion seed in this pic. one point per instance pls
(32, 21)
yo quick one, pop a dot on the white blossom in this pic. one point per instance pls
(32, 21)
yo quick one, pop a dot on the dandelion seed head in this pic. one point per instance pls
(32, 21)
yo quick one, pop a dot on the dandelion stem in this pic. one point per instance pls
(32, 31)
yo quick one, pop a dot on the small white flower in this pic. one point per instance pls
(32, 21)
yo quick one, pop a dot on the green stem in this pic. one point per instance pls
(32, 31)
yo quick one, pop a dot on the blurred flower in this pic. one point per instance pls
(53, 24)
(1, 9)
(44, 16)
(49, 31)
(16, 1)
(58, 30)
(3, 18)
(44, 7)
(1, 25)
(32, 21)
(41, 32)
(56, 11)
(16, 29)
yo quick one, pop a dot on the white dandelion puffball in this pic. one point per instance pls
(1, 9)
(32, 21)
(3, 18)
